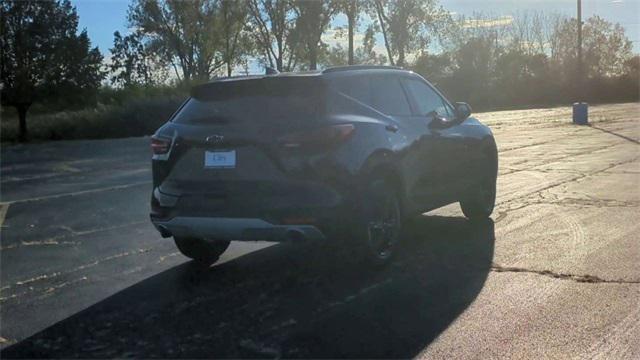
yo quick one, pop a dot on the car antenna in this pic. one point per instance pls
(271, 71)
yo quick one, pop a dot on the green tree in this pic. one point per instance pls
(352, 9)
(521, 79)
(183, 33)
(273, 22)
(435, 67)
(44, 57)
(232, 19)
(365, 54)
(130, 63)
(409, 26)
(606, 48)
(632, 66)
(312, 20)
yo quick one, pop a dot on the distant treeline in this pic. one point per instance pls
(533, 61)
(491, 62)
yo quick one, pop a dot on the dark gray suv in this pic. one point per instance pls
(316, 156)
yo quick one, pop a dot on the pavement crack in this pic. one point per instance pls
(42, 277)
(77, 193)
(501, 216)
(59, 239)
(595, 202)
(525, 146)
(564, 182)
(616, 134)
(551, 160)
(589, 279)
(349, 298)
(567, 202)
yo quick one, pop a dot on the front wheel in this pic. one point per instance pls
(479, 204)
(202, 251)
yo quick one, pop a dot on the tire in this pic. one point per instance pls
(201, 251)
(479, 205)
(379, 225)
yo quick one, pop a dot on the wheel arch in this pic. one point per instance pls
(383, 164)
(490, 149)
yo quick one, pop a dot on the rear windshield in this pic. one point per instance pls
(276, 100)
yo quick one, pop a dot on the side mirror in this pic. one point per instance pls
(463, 111)
(438, 121)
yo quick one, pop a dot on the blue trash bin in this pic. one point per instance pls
(581, 113)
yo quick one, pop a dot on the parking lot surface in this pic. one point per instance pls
(554, 274)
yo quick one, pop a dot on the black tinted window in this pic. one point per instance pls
(356, 87)
(261, 100)
(383, 93)
(388, 97)
(426, 99)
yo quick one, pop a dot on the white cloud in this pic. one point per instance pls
(495, 22)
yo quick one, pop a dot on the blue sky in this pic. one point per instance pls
(102, 17)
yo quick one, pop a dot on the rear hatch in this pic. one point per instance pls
(238, 139)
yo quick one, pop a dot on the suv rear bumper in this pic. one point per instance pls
(247, 229)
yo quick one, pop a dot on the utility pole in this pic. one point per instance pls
(580, 108)
(580, 71)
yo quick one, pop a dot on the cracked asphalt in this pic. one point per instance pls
(555, 274)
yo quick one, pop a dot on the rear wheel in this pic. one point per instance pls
(202, 251)
(479, 204)
(379, 227)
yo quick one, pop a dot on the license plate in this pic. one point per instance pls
(220, 159)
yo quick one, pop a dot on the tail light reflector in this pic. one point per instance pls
(160, 145)
(321, 137)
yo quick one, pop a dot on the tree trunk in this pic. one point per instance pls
(380, 11)
(229, 68)
(352, 21)
(313, 57)
(22, 117)
(400, 61)
(280, 55)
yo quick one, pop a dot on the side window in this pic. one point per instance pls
(356, 87)
(387, 96)
(426, 99)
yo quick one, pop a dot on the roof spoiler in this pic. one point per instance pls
(360, 67)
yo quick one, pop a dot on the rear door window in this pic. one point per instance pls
(388, 96)
(382, 93)
(355, 87)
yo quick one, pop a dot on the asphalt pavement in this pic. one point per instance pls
(554, 274)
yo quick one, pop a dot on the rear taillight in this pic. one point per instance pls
(322, 137)
(160, 145)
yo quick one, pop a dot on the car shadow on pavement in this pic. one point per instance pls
(286, 301)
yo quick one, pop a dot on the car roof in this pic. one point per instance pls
(332, 71)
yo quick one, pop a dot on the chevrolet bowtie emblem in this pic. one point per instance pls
(214, 139)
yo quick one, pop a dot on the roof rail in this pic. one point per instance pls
(360, 67)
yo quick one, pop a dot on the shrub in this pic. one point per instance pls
(137, 117)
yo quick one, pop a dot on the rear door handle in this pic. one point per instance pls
(391, 127)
